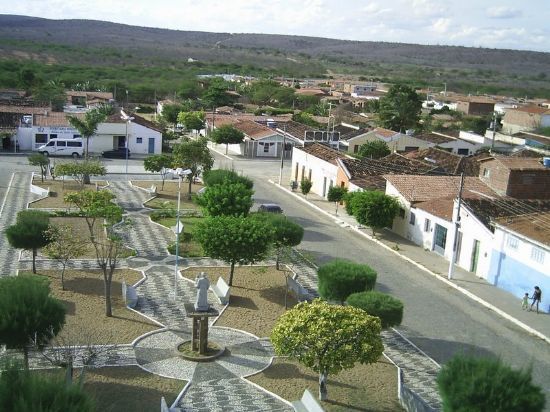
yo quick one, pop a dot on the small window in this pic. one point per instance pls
(61, 144)
(402, 213)
(537, 254)
(266, 148)
(486, 172)
(139, 140)
(412, 219)
(411, 148)
(74, 144)
(76, 136)
(512, 242)
(51, 144)
(53, 136)
(427, 225)
(464, 152)
(355, 149)
(41, 138)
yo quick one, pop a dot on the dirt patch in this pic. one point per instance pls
(168, 197)
(126, 388)
(85, 303)
(58, 190)
(257, 297)
(362, 388)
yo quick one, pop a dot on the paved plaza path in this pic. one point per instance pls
(218, 385)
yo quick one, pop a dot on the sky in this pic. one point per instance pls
(508, 24)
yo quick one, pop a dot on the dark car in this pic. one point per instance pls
(119, 153)
(270, 208)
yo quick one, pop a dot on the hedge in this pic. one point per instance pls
(340, 278)
(381, 305)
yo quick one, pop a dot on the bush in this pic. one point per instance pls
(381, 305)
(340, 278)
(469, 384)
(220, 176)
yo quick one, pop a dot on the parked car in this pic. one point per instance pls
(270, 208)
(62, 147)
(119, 153)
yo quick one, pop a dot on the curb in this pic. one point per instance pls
(460, 289)
(220, 153)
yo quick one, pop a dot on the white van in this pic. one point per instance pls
(63, 147)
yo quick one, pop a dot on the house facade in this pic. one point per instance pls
(525, 119)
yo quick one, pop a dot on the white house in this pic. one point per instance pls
(316, 162)
(449, 143)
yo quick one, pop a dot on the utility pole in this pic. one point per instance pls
(457, 227)
(282, 155)
(494, 131)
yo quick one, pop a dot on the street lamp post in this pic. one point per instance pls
(128, 120)
(178, 228)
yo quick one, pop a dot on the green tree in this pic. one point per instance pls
(80, 171)
(469, 384)
(22, 391)
(381, 305)
(235, 240)
(64, 245)
(336, 194)
(373, 208)
(195, 156)
(400, 108)
(216, 94)
(477, 125)
(87, 127)
(38, 159)
(29, 315)
(29, 232)
(327, 338)
(98, 206)
(286, 233)
(340, 278)
(189, 89)
(305, 186)
(170, 113)
(51, 93)
(307, 119)
(192, 120)
(220, 176)
(160, 164)
(374, 150)
(227, 134)
(227, 199)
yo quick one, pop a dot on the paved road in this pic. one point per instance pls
(438, 319)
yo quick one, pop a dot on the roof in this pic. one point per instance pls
(447, 161)
(526, 117)
(90, 95)
(420, 188)
(442, 208)
(434, 138)
(322, 152)
(533, 226)
(116, 118)
(353, 134)
(8, 108)
(298, 130)
(386, 133)
(254, 130)
(310, 92)
(54, 119)
(517, 163)
(531, 109)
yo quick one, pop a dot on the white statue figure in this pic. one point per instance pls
(202, 284)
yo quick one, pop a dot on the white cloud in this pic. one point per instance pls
(441, 25)
(503, 12)
(429, 8)
(374, 9)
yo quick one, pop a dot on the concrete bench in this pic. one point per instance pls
(308, 403)
(152, 190)
(221, 290)
(298, 290)
(129, 295)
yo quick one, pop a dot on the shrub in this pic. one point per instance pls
(220, 176)
(340, 278)
(481, 384)
(386, 307)
(305, 186)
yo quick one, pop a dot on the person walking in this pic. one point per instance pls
(537, 298)
(525, 302)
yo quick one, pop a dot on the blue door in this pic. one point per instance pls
(151, 145)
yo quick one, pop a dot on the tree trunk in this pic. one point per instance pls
(337, 208)
(277, 258)
(26, 356)
(34, 260)
(69, 373)
(86, 179)
(191, 178)
(231, 274)
(108, 306)
(63, 277)
(323, 394)
(163, 175)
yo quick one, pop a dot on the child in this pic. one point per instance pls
(525, 301)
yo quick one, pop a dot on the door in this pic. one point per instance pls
(440, 239)
(151, 145)
(475, 256)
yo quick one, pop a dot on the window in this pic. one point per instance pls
(411, 148)
(412, 219)
(512, 242)
(74, 144)
(355, 149)
(76, 136)
(41, 138)
(61, 144)
(537, 254)
(402, 213)
(464, 152)
(486, 172)
(266, 147)
(53, 136)
(427, 225)
(139, 140)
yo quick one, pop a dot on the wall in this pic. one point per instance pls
(513, 269)
(455, 145)
(320, 170)
(498, 175)
(529, 184)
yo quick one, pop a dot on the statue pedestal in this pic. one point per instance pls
(199, 337)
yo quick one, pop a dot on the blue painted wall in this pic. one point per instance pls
(518, 278)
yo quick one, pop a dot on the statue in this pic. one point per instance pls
(202, 284)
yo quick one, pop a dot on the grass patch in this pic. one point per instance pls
(188, 247)
(168, 198)
(58, 190)
(127, 388)
(362, 388)
(257, 297)
(85, 303)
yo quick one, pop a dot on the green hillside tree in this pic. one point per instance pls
(400, 108)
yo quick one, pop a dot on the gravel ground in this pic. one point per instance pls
(58, 190)
(256, 300)
(170, 193)
(362, 388)
(85, 303)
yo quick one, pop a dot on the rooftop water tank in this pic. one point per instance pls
(546, 161)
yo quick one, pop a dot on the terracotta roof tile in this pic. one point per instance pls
(254, 130)
(533, 225)
(323, 152)
(8, 108)
(380, 131)
(434, 138)
(518, 163)
(449, 162)
(442, 208)
(54, 119)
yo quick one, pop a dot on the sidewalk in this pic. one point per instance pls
(501, 302)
